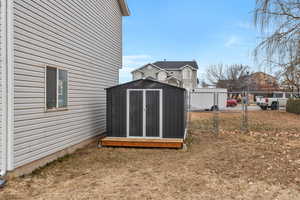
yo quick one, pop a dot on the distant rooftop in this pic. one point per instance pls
(175, 64)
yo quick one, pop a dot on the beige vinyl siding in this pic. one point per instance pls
(84, 38)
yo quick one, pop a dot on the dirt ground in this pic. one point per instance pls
(263, 164)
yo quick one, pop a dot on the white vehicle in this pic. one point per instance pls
(208, 99)
(278, 100)
(259, 99)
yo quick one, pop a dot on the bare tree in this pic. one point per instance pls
(291, 78)
(204, 84)
(237, 71)
(228, 76)
(279, 22)
(215, 73)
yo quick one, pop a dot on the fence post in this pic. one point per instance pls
(244, 126)
(216, 114)
(189, 110)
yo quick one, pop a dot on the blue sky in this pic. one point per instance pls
(210, 32)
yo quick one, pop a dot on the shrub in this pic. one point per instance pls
(293, 106)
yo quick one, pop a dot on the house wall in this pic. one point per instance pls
(137, 75)
(174, 82)
(150, 71)
(147, 71)
(189, 82)
(176, 73)
(162, 76)
(189, 78)
(195, 79)
(83, 38)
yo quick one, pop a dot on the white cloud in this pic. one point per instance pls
(135, 60)
(232, 41)
(238, 41)
(246, 25)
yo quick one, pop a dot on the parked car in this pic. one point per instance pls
(278, 100)
(231, 102)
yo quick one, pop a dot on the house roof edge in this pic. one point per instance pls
(124, 8)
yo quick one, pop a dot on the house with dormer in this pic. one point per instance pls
(178, 73)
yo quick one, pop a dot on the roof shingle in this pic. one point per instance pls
(175, 64)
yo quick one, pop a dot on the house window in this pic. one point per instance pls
(56, 88)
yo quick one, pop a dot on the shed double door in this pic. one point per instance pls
(144, 113)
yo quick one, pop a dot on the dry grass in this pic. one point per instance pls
(264, 164)
(260, 121)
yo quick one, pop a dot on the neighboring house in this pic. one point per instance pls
(56, 59)
(262, 82)
(258, 84)
(178, 73)
(255, 82)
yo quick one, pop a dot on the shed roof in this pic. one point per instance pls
(144, 80)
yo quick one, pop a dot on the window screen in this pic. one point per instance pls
(57, 88)
(62, 89)
(51, 87)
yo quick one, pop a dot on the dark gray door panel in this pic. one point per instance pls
(152, 113)
(136, 113)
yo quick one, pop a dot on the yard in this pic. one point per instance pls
(264, 164)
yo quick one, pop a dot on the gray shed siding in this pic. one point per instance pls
(174, 108)
(84, 38)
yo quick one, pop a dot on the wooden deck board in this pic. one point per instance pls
(141, 142)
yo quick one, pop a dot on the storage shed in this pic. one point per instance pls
(145, 113)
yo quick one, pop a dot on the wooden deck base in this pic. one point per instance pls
(141, 142)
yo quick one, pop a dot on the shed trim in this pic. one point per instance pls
(150, 80)
(144, 113)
